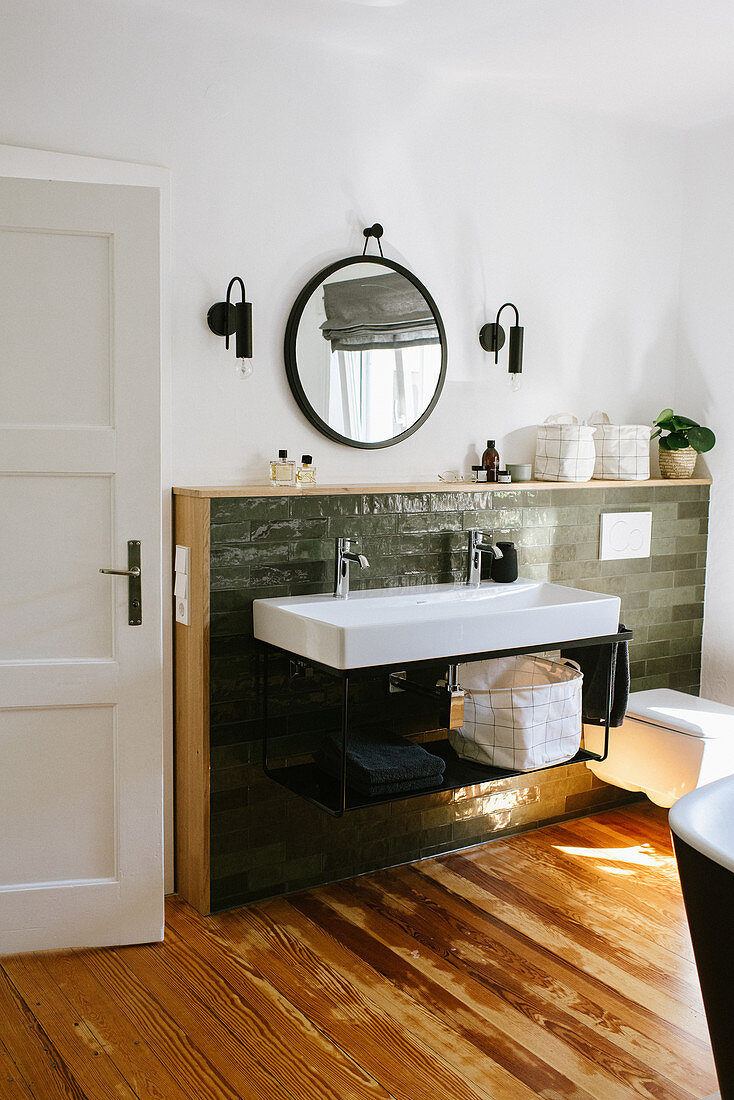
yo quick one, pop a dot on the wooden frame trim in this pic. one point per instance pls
(191, 735)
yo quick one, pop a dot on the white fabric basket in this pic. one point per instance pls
(520, 713)
(622, 450)
(564, 450)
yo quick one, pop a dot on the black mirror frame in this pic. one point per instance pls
(291, 365)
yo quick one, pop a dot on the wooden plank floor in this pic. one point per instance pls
(556, 963)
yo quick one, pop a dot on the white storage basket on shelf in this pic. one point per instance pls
(520, 713)
(564, 450)
(622, 450)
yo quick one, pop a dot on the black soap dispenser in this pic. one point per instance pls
(504, 569)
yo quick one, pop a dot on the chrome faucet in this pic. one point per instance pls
(479, 543)
(341, 572)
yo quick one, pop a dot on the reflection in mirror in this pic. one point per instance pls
(368, 352)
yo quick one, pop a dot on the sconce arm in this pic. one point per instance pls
(228, 303)
(498, 345)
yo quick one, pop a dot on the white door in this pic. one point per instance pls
(80, 688)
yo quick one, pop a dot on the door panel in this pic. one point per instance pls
(55, 602)
(74, 838)
(64, 352)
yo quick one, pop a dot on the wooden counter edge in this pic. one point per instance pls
(211, 492)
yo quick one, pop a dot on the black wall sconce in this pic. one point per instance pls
(226, 318)
(492, 338)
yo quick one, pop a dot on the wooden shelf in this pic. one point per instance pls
(216, 491)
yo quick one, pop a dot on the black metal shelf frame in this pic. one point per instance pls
(335, 797)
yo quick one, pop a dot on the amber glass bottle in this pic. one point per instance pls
(491, 461)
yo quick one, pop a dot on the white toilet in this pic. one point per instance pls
(669, 744)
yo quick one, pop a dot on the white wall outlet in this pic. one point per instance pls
(625, 535)
(183, 614)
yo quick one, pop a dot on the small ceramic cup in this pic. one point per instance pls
(521, 471)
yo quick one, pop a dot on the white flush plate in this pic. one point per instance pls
(625, 535)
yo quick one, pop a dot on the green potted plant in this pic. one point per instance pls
(685, 441)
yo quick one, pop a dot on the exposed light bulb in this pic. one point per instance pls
(516, 382)
(244, 368)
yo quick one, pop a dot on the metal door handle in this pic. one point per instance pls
(134, 589)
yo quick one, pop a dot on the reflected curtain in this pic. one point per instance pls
(382, 311)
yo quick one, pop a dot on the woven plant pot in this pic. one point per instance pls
(677, 463)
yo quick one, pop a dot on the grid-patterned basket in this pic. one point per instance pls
(520, 713)
(564, 450)
(622, 450)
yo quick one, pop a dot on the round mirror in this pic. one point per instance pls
(365, 352)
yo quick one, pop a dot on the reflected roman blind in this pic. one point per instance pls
(382, 311)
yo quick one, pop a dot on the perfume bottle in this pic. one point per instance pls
(282, 469)
(306, 474)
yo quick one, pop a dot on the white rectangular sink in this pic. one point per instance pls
(386, 626)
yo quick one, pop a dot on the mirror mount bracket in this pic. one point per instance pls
(375, 231)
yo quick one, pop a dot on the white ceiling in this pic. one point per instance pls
(665, 61)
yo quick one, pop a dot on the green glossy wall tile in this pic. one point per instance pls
(350, 504)
(379, 503)
(278, 530)
(430, 521)
(239, 509)
(463, 502)
(359, 526)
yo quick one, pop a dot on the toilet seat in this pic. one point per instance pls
(686, 714)
(669, 744)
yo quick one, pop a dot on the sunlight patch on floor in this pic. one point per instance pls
(639, 855)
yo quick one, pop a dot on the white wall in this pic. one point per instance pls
(281, 151)
(705, 388)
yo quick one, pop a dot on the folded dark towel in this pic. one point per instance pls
(375, 790)
(378, 761)
(593, 661)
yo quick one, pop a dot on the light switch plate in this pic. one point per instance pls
(181, 563)
(625, 535)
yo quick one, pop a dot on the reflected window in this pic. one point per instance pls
(378, 394)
